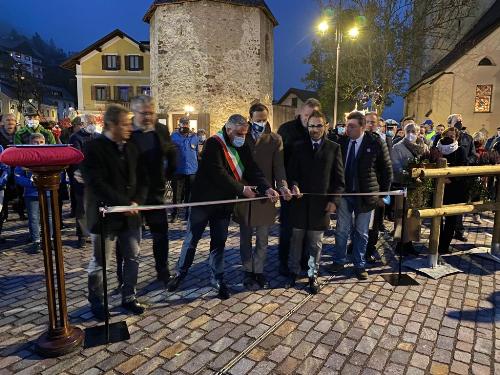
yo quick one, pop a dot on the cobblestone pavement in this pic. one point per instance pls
(451, 325)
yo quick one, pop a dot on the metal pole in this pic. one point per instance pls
(436, 221)
(338, 34)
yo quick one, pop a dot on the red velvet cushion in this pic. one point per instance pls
(41, 156)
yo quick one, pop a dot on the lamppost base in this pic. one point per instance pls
(102, 335)
(49, 345)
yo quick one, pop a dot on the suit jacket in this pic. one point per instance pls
(292, 132)
(374, 168)
(267, 152)
(318, 172)
(113, 178)
(214, 179)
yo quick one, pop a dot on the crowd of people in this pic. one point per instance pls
(314, 170)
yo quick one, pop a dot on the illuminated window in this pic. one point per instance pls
(483, 98)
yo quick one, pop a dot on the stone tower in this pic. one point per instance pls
(212, 58)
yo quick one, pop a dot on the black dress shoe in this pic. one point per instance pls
(249, 281)
(283, 270)
(336, 267)
(134, 307)
(36, 248)
(82, 243)
(262, 281)
(292, 281)
(313, 285)
(163, 276)
(223, 291)
(174, 282)
(361, 273)
(98, 311)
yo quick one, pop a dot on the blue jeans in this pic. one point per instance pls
(33, 209)
(345, 224)
(218, 221)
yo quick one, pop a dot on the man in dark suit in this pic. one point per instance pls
(114, 176)
(226, 161)
(368, 169)
(292, 132)
(316, 167)
(153, 141)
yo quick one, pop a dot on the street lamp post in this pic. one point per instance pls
(353, 34)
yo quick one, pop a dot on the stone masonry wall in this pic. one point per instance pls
(213, 56)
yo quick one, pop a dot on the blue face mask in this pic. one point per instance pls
(390, 133)
(238, 141)
(340, 130)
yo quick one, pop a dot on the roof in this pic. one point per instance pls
(73, 60)
(248, 3)
(65, 93)
(488, 23)
(301, 94)
(7, 89)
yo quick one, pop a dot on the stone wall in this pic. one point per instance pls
(214, 56)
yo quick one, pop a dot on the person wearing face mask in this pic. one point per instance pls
(79, 140)
(32, 120)
(316, 167)
(449, 148)
(227, 170)
(466, 142)
(202, 137)
(334, 135)
(267, 151)
(187, 164)
(410, 148)
(292, 132)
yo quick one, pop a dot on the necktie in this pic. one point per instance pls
(350, 166)
(315, 146)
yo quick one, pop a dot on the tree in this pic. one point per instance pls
(395, 41)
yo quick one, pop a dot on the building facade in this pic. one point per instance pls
(466, 80)
(210, 58)
(112, 70)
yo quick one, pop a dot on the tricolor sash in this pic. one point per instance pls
(232, 157)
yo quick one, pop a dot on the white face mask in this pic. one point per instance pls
(447, 149)
(32, 123)
(90, 128)
(411, 137)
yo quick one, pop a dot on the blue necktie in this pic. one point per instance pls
(350, 167)
(315, 146)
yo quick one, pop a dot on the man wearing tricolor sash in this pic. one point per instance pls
(225, 162)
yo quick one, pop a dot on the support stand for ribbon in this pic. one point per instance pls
(400, 279)
(107, 333)
(61, 338)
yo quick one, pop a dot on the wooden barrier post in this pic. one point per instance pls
(436, 221)
(495, 240)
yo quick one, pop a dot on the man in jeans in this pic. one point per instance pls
(368, 169)
(114, 176)
(187, 164)
(225, 162)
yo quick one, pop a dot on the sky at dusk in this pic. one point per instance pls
(73, 25)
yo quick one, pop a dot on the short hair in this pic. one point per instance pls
(356, 115)
(77, 121)
(313, 103)
(113, 114)
(440, 125)
(235, 120)
(317, 114)
(88, 119)
(452, 117)
(141, 100)
(411, 127)
(201, 131)
(34, 136)
(373, 113)
(257, 107)
(184, 120)
(451, 130)
(408, 118)
(7, 115)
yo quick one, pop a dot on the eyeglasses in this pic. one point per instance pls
(146, 113)
(318, 126)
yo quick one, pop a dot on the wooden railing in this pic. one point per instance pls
(440, 174)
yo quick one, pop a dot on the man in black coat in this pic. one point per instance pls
(368, 169)
(465, 142)
(316, 167)
(79, 140)
(226, 160)
(292, 132)
(153, 141)
(114, 176)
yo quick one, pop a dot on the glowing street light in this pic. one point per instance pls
(323, 27)
(353, 32)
